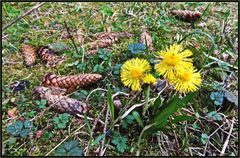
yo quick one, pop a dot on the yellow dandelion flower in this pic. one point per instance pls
(149, 79)
(186, 81)
(133, 71)
(172, 60)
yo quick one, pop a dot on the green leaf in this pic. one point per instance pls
(24, 132)
(76, 151)
(69, 148)
(137, 118)
(215, 116)
(217, 97)
(70, 144)
(27, 124)
(11, 140)
(204, 138)
(98, 139)
(60, 151)
(110, 102)
(106, 10)
(166, 110)
(181, 118)
(98, 69)
(156, 104)
(120, 142)
(136, 48)
(88, 127)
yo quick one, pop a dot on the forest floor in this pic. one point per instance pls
(212, 132)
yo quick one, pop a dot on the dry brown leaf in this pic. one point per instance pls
(80, 36)
(71, 82)
(12, 112)
(146, 39)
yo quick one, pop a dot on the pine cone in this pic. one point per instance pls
(48, 56)
(61, 103)
(29, 54)
(186, 15)
(106, 39)
(70, 83)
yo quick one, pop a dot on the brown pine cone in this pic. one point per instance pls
(106, 39)
(186, 15)
(48, 56)
(29, 54)
(61, 103)
(70, 83)
(112, 34)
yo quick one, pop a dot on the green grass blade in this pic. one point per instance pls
(110, 102)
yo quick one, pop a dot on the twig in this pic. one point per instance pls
(91, 119)
(71, 37)
(100, 89)
(104, 131)
(21, 16)
(227, 140)
(97, 120)
(205, 149)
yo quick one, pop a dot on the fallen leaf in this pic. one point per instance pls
(146, 39)
(80, 36)
(12, 112)
(39, 133)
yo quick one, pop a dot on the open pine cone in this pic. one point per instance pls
(186, 15)
(29, 54)
(71, 82)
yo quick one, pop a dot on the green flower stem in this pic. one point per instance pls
(146, 105)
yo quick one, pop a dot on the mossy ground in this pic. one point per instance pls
(46, 25)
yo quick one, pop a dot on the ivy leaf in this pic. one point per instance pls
(136, 48)
(120, 142)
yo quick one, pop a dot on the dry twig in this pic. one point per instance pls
(21, 16)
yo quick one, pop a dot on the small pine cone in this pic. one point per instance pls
(61, 103)
(48, 56)
(113, 34)
(186, 15)
(107, 39)
(70, 83)
(29, 54)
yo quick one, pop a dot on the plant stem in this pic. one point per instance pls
(146, 93)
